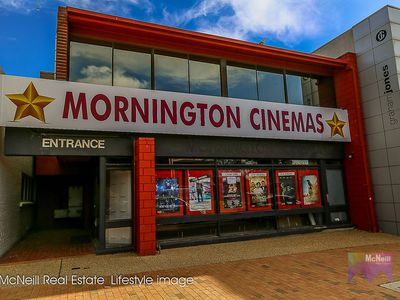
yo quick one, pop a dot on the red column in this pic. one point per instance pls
(145, 196)
(62, 44)
(356, 166)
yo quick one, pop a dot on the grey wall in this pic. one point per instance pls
(338, 46)
(14, 221)
(379, 82)
(378, 59)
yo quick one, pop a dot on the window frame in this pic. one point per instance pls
(223, 64)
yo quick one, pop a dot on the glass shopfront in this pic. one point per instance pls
(225, 198)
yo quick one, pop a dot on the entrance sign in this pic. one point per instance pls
(73, 143)
(50, 104)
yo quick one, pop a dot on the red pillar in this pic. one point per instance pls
(145, 196)
(356, 166)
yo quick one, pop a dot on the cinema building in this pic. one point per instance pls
(152, 136)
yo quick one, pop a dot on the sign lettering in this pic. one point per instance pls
(73, 143)
(79, 106)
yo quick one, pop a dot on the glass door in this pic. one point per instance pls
(336, 196)
(116, 209)
(118, 213)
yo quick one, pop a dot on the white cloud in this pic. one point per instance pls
(95, 74)
(22, 6)
(285, 20)
(102, 75)
(121, 79)
(202, 9)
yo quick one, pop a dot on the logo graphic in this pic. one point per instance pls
(381, 35)
(370, 264)
(30, 103)
(336, 125)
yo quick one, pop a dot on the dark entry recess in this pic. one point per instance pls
(67, 193)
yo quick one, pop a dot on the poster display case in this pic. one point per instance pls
(258, 190)
(191, 191)
(231, 188)
(287, 189)
(310, 191)
(169, 196)
(199, 192)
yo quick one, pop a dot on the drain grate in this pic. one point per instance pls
(394, 286)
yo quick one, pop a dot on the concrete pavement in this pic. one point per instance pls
(292, 267)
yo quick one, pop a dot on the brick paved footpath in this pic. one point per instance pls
(311, 275)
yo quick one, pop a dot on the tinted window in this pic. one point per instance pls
(90, 63)
(132, 69)
(302, 90)
(204, 78)
(310, 91)
(119, 198)
(171, 73)
(336, 195)
(294, 89)
(270, 87)
(118, 237)
(241, 83)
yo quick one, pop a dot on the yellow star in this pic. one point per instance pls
(30, 103)
(336, 125)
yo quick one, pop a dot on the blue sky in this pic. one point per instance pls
(27, 27)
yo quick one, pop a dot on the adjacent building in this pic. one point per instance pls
(376, 43)
(16, 196)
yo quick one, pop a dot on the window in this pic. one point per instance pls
(242, 83)
(117, 223)
(294, 89)
(171, 73)
(90, 63)
(336, 195)
(118, 237)
(204, 78)
(270, 87)
(105, 65)
(310, 91)
(119, 199)
(27, 188)
(132, 69)
(231, 198)
(302, 90)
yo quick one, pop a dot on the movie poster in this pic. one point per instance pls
(199, 189)
(310, 188)
(287, 188)
(231, 190)
(167, 196)
(258, 186)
